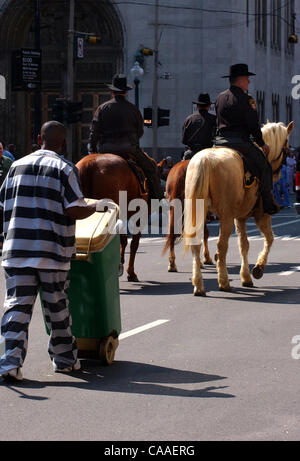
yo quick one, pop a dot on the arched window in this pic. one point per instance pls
(289, 109)
(275, 21)
(289, 25)
(261, 22)
(260, 104)
(275, 107)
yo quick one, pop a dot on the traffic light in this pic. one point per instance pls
(74, 111)
(140, 54)
(59, 110)
(163, 117)
(293, 38)
(148, 117)
(147, 51)
(92, 39)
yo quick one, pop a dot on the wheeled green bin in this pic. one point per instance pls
(94, 286)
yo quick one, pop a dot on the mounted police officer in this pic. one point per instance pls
(117, 127)
(238, 126)
(199, 129)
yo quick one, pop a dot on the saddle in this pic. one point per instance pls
(138, 172)
(250, 179)
(250, 175)
(140, 175)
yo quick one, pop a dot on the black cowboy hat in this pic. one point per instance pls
(203, 99)
(119, 83)
(238, 70)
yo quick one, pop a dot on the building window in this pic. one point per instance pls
(260, 105)
(275, 29)
(275, 107)
(261, 22)
(289, 109)
(289, 25)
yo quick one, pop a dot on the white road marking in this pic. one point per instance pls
(145, 327)
(286, 223)
(296, 269)
(159, 240)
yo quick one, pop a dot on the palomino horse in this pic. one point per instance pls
(217, 176)
(175, 190)
(104, 176)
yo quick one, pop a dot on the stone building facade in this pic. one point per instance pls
(198, 41)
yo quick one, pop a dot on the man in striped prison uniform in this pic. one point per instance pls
(41, 198)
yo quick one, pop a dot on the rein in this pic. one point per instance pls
(283, 153)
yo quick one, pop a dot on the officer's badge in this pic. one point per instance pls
(252, 102)
(248, 179)
(247, 176)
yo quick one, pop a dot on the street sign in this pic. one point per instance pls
(80, 48)
(26, 69)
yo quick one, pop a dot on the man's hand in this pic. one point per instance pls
(105, 203)
(266, 149)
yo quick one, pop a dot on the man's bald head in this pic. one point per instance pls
(53, 136)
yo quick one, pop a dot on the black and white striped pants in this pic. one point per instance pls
(22, 287)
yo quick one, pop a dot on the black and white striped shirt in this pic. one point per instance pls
(34, 196)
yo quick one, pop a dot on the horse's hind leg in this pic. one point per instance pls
(206, 256)
(132, 277)
(265, 226)
(172, 264)
(226, 227)
(171, 238)
(197, 280)
(244, 249)
(123, 245)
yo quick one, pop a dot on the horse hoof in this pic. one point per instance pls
(199, 292)
(172, 269)
(258, 272)
(208, 262)
(227, 289)
(132, 278)
(121, 270)
(248, 284)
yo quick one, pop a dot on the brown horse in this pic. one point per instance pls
(175, 186)
(104, 176)
(215, 177)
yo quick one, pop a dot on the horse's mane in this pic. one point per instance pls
(274, 134)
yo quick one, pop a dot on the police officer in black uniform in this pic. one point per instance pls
(238, 126)
(199, 129)
(117, 127)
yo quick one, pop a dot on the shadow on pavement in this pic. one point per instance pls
(132, 378)
(262, 294)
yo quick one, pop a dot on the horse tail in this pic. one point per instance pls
(171, 238)
(196, 187)
(175, 190)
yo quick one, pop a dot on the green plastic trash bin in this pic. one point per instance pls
(94, 286)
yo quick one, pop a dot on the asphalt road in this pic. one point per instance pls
(214, 368)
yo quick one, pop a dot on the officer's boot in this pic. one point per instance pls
(270, 205)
